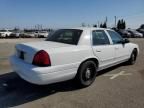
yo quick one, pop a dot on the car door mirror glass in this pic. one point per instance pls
(125, 41)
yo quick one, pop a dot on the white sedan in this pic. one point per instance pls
(41, 34)
(77, 53)
(5, 33)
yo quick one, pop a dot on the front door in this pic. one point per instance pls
(121, 50)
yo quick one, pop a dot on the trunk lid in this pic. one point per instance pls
(26, 51)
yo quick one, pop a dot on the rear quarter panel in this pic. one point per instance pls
(70, 57)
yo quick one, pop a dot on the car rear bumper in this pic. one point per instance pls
(41, 75)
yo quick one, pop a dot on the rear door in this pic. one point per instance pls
(102, 48)
(121, 50)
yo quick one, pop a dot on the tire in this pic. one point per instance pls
(86, 74)
(133, 58)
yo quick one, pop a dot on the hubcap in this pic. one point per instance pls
(88, 73)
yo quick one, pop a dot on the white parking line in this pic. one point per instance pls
(122, 73)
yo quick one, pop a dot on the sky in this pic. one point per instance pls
(69, 13)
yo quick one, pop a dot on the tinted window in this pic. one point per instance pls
(100, 38)
(116, 38)
(69, 36)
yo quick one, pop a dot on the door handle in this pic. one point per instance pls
(98, 50)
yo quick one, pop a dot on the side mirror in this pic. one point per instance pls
(125, 41)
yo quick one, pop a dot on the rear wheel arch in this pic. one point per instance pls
(80, 77)
(89, 59)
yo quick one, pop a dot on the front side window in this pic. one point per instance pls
(99, 37)
(68, 36)
(116, 38)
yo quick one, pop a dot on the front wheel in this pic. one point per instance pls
(133, 57)
(86, 74)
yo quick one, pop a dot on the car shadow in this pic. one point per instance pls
(110, 69)
(15, 91)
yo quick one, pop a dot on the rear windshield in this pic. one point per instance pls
(68, 36)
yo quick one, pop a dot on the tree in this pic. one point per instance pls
(124, 25)
(121, 24)
(142, 26)
(101, 25)
(95, 25)
(118, 24)
(105, 25)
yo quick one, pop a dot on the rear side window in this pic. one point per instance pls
(68, 36)
(116, 38)
(99, 37)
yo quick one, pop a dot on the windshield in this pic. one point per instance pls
(68, 36)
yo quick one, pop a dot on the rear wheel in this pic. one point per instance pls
(86, 74)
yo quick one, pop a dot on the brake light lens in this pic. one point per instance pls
(42, 59)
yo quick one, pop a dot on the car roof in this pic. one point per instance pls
(88, 28)
(91, 28)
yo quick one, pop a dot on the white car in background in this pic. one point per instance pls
(5, 33)
(28, 35)
(41, 34)
(15, 34)
(77, 53)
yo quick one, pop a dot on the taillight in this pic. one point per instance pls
(41, 58)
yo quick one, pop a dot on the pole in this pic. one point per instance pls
(106, 19)
(115, 20)
(98, 24)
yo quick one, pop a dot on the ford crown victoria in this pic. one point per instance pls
(77, 53)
